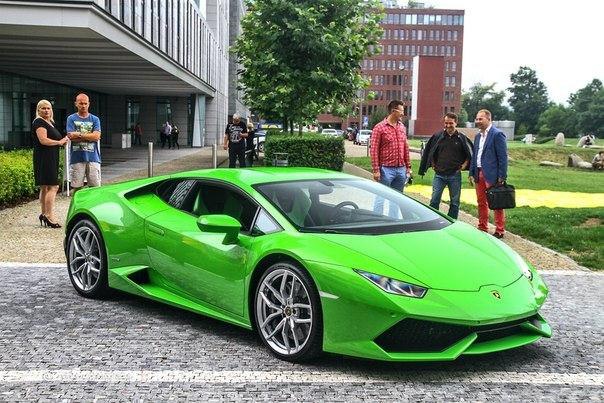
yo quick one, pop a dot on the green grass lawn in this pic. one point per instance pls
(577, 232)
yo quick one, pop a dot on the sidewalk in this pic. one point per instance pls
(22, 239)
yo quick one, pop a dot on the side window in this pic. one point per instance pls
(175, 192)
(264, 224)
(210, 198)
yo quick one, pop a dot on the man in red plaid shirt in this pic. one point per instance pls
(390, 160)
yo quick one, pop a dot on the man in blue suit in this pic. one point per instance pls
(489, 166)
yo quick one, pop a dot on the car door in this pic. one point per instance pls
(198, 263)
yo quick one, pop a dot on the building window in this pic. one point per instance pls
(138, 17)
(132, 114)
(147, 16)
(128, 13)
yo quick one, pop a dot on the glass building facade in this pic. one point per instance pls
(18, 99)
(178, 50)
(177, 28)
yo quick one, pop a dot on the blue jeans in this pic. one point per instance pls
(453, 182)
(394, 177)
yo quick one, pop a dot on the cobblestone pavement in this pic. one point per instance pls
(56, 345)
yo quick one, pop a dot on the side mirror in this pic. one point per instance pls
(220, 224)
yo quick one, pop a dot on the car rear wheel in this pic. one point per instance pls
(86, 261)
(288, 313)
(261, 147)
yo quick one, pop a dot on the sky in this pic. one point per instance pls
(563, 41)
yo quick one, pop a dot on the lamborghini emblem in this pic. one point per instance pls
(496, 294)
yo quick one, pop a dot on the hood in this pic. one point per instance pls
(456, 258)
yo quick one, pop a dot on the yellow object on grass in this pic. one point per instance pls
(527, 197)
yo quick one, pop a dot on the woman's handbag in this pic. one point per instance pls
(501, 196)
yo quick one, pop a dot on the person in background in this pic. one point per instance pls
(46, 139)
(390, 160)
(234, 140)
(448, 152)
(173, 140)
(489, 166)
(84, 131)
(138, 134)
(250, 149)
(164, 134)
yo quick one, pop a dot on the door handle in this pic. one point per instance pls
(156, 230)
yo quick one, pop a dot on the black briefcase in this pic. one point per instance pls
(502, 196)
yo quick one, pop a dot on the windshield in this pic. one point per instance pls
(352, 206)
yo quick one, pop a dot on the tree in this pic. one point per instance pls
(462, 117)
(587, 105)
(555, 119)
(377, 116)
(302, 57)
(482, 96)
(529, 97)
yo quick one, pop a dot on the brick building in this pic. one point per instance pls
(432, 34)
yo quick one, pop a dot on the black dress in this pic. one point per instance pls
(46, 158)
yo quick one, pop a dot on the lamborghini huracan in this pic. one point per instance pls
(312, 260)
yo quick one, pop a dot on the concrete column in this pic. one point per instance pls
(148, 119)
(116, 109)
(199, 121)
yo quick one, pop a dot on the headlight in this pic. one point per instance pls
(526, 271)
(394, 286)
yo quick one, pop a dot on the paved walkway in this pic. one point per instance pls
(23, 240)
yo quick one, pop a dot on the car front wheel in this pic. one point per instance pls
(288, 313)
(86, 261)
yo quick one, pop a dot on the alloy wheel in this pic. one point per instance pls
(85, 259)
(284, 311)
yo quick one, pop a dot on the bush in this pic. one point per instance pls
(307, 150)
(16, 176)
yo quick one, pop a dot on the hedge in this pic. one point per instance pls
(306, 150)
(16, 175)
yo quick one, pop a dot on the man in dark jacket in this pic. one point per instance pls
(448, 152)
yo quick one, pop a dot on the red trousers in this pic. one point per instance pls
(483, 207)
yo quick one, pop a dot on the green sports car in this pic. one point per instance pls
(313, 260)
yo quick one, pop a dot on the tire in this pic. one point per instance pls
(290, 324)
(261, 147)
(87, 260)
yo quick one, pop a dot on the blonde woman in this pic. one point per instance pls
(47, 140)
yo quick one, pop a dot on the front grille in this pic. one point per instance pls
(413, 335)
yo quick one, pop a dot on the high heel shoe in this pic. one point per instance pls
(42, 222)
(50, 223)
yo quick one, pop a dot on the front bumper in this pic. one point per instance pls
(361, 320)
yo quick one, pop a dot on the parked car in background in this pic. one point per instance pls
(340, 133)
(329, 132)
(363, 137)
(259, 140)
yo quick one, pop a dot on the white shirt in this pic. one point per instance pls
(483, 138)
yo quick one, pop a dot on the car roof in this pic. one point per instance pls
(258, 175)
